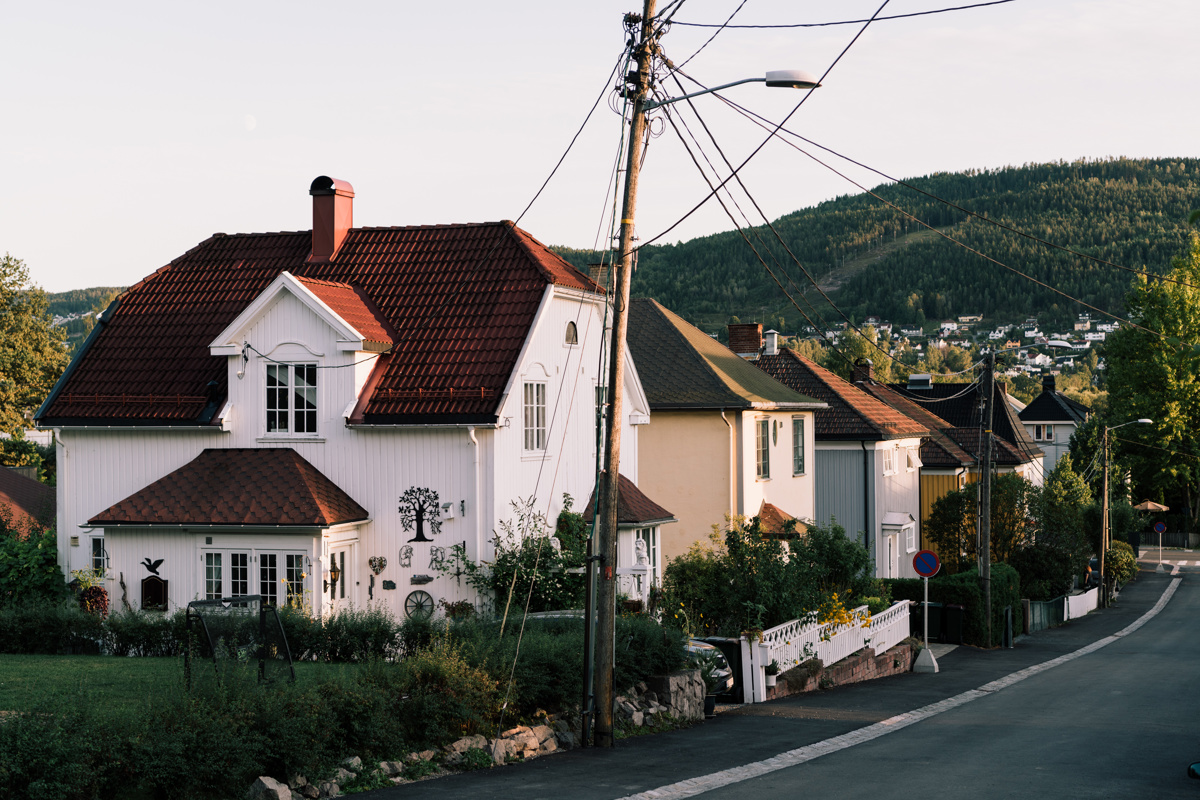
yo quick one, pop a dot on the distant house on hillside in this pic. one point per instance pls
(1051, 419)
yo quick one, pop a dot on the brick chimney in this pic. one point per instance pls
(333, 216)
(745, 339)
(864, 371)
(1048, 383)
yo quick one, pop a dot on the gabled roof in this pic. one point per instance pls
(633, 507)
(684, 368)
(274, 487)
(939, 450)
(1053, 406)
(852, 413)
(457, 300)
(26, 502)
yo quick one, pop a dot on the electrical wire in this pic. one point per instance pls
(716, 33)
(764, 123)
(843, 22)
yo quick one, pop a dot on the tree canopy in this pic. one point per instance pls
(32, 354)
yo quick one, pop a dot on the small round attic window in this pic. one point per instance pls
(572, 336)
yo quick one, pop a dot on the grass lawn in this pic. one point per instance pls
(29, 681)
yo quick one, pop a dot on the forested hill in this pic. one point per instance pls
(1127, 211)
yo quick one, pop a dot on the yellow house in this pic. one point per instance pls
(724, 437)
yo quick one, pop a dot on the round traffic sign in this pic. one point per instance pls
(926, 563)
(1160, 527)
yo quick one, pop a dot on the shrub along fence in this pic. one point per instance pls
(965, 589)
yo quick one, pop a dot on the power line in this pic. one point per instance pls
(845, 21)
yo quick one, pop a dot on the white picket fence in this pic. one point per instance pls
(1078, 605)
(794, 642)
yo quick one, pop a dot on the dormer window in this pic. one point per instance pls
(292, 398)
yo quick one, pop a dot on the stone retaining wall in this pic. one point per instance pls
(862, 666)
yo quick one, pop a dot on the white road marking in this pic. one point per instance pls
(706, 783)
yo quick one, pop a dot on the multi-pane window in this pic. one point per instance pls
(268, 577)
(797, 445)
(239, 574)
(292, 398)
(295, 576)
(650, 537)
(910, 539)
(213, 582)
(535, 416)
(1043, 433)
(889, 460)
(98, 560)
(762, 441)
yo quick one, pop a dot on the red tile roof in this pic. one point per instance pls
(633, 507)
(457, 301)
(262, 486)
(26, 503)
(355, 307)
(773, 521)
(852, 413)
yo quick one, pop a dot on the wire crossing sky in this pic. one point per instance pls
(133, 131)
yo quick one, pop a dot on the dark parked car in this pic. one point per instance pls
(711, 662)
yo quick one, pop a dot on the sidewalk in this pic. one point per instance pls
(746, 734)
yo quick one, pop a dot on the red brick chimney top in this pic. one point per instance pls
(333, 216)
(745, 339)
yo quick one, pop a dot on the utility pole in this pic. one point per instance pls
(606, 516)
(1104, 523)
(985, 492)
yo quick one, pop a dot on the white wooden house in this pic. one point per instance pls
(267, 407)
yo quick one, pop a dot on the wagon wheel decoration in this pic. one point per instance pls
(418, 604)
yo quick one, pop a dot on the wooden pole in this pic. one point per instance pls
(606, 529)
(985, 490)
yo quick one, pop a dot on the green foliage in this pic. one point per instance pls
(1120, 563)
(1128, 211)
(1045, 573)
(32, 356)
(1154, 372)
(528, 570)
(964, 589)
(952, 521)
(39, 626)
(29, 565)
(743, 579)
(448, 697)
(145, 634)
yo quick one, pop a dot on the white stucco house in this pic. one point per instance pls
(269, 409)
(868, 462)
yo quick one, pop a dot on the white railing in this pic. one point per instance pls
(797, 641)
(1079, 605)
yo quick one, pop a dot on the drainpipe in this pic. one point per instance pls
(868, 527)
(732, 463)
(478, 500)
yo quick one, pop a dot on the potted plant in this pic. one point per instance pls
(709, 665)
(772, 671)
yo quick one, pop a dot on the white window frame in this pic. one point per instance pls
(913, 458)
(533, 406)
(798, 442)
(889, 460)
(910, 538)
(98, 559)
(650, 536)
(237, 572)
(283, 414)
(762, 449)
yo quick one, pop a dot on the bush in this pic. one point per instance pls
(29, 565)
(447, 696)
(1120, 563)
(61, 628)
(1044, 573)
(144, 633)
(964, 589)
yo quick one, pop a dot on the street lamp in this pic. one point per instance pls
(606, 513)
(779, 78)
(1104, 522)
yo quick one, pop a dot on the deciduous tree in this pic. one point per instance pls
(32, 353)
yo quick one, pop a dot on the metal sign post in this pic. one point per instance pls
(1160, 528)
(926, 564)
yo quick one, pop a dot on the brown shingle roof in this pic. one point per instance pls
(852, 413)
(683, 367)
(457, 300)
(262, 486)
(28, 503)
(633, 507)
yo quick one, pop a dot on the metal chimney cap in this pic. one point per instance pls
(324, 185)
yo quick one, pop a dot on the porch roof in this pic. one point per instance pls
(273, 487)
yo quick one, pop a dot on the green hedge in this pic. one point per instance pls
(964, 589)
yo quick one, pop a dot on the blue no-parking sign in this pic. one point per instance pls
(926, 563)
(1160, 527)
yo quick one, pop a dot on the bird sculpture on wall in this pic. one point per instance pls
(151, 565)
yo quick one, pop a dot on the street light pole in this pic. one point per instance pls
(1105, 525)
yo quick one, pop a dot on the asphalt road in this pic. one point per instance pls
(1122, 721)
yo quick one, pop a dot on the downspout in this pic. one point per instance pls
(478, 500)
(868, 528)
(732, 463)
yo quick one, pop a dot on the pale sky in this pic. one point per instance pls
(133, 131)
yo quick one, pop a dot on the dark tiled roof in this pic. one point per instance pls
(683, 367)
(26, 502)
(261, 486)
(939, 450)
(960, 405)
(633, 507)
(355, 307)
(458, 301)
(852, 413)
(1050, 406)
